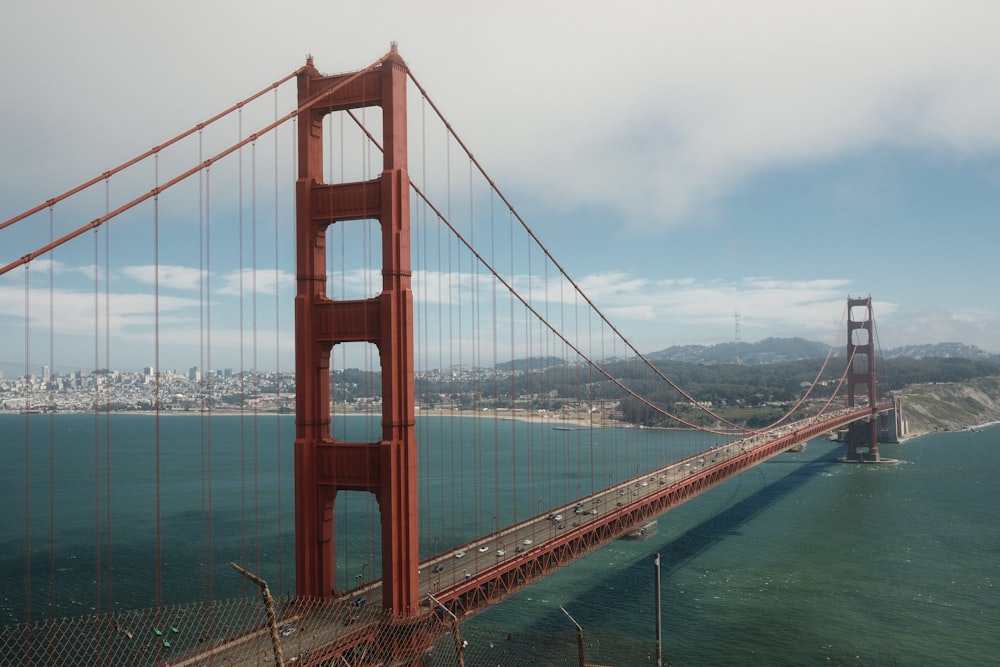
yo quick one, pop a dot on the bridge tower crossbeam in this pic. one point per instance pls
(323, 465)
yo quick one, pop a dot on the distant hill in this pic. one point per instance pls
(941, 351)
(534, 363)
(777, 350)
(767, 351)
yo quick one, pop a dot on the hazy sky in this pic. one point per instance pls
(683, 160)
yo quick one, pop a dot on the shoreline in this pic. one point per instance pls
(576, 422)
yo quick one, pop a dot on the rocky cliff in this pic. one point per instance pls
(948, 406)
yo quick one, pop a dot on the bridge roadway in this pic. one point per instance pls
(468, 579)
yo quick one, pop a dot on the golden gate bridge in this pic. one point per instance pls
(412, 272)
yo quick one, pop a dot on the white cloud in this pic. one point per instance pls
(653, 108)
(916, 327)
(260, 281)
(658, 109)
(167, 276)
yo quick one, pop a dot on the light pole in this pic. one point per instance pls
(659, 626)
(534, 525)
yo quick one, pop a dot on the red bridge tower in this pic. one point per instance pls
(862, 436)
(324, 466)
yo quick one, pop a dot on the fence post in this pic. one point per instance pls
(272, 617)
(579, 638)
(459, 644)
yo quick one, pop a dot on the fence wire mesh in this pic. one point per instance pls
(309, 632)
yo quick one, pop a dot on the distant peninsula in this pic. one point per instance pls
(950, 406)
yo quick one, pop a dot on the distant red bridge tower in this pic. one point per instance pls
(324, 466)
(862, 436)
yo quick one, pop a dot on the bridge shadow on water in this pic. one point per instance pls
(593, 602)
(678, 552)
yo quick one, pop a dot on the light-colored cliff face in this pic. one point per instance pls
(950, 406)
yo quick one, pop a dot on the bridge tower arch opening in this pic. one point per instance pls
(862, 436)
(323, 464)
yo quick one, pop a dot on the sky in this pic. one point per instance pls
(704, 169)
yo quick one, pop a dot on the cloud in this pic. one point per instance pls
(661, 313)
(167, 276)
(646, 115)
(656, 109)
(261, 281)
(661, 109)
(916, 327)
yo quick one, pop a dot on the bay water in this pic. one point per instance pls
(800, 561)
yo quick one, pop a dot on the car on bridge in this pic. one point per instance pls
(459, 554)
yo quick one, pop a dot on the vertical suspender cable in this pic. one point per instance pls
(207, 383)
(422, 301)
(107, 414)
(456, 439)
(494, 360)
(457, 490)
(52, 439)
(98, 376)
(204, 384)
(277, 341)
(156, 412)
(513, 356)
(199, 378)
(27, 444)
(242, 345)
(254, 367)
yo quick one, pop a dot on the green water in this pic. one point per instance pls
(800, 561)
(803, 561)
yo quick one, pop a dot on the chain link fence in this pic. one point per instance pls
(239, 632)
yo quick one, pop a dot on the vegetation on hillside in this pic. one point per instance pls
(754, 396)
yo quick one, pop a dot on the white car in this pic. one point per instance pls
(459, 554)
(483, 549)
(501, 553)
(528, 541)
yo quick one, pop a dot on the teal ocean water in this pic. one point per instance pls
(801, 561)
